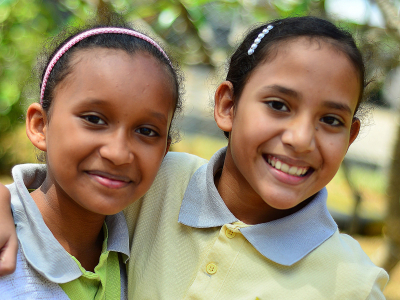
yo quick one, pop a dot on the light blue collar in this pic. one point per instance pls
(284, 241)
(39, 246)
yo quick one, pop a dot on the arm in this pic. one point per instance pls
(8, 236)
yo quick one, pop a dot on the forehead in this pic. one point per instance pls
(294, 48)
(118, 66)
(115, 77)
(312, 43)
(311, 67)
(105, 58)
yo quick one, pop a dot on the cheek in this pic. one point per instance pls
(148, 163)
(334, 151)
(69, 141)
(247, 124)
(151, 155)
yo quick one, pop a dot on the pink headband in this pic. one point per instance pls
(86, 34)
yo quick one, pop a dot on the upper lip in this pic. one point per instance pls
(110, 176)
(289, 161)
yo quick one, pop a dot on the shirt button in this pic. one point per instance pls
(230, 234)
(211, 268)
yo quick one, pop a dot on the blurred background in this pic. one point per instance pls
(364, 197)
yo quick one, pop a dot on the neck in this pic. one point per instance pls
(79, 231)
(241, 199)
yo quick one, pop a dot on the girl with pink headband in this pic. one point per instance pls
(108, 96)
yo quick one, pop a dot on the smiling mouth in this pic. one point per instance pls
(286, 168)
(110, 180)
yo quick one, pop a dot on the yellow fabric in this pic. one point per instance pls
(103, 283)
(173, 261)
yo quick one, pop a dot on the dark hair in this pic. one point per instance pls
(123, 42)
(241, 65)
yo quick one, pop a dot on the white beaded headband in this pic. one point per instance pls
(86, 34)
(258, 39)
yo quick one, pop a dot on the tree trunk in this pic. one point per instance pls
(391, 254)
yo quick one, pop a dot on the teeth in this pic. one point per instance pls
(291, 170)
(285, 168)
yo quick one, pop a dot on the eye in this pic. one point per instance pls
(94, 119)
(146, 131)
(277, 105)
(333, 121)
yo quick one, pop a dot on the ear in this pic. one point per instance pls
(354, 130)
(36, 126)
(224, 106)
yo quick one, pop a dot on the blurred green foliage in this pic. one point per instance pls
(24, 25)
(196, 31)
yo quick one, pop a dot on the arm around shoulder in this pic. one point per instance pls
(8, 236)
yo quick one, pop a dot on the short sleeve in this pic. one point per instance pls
(378, 287)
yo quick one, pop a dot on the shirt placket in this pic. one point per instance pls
(218, 263)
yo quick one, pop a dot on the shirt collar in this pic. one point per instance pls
(39, 246)
(284, 241)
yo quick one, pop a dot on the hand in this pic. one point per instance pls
(8, 235)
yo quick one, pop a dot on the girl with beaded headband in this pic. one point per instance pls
(253, 222)
(107, 99)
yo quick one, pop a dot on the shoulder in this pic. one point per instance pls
(168, 187)
(181, 162)
(176, 170)
(27, 284)
(351, 269)
(32, 175)
(345, 248)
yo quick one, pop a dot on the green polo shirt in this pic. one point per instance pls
(103, 283)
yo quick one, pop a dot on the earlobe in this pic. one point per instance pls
(224, 106)
(354, 130)
(36, 126)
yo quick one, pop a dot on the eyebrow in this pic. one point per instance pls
(338, 106)
(159, 116)
(293, 93)
(283, 90)
(98, 102)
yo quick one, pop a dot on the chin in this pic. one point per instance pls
(284, 201)
(105, 209)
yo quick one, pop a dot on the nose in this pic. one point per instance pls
(300, 135)
(117, 149)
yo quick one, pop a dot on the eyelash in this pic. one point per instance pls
(339, 123)
(145, 131)
(273, 104)
(279, 105)
(89, 118)
(152, 132)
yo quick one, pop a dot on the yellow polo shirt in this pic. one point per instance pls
(209, 254)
